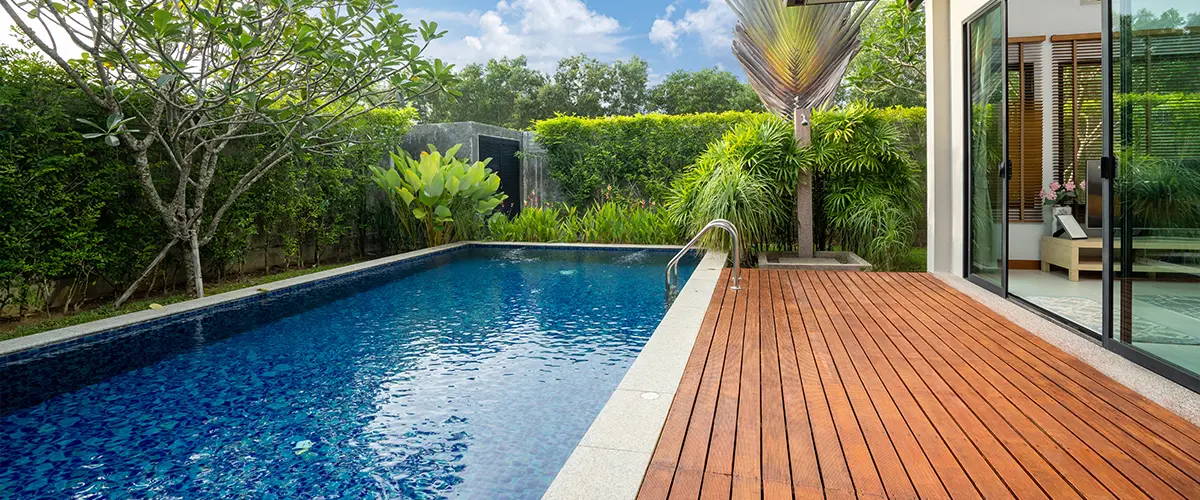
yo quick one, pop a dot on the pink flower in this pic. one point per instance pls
(1054, 186)
(1070, 185)
(1083, 185)
(1052, 196)
(1042, 194)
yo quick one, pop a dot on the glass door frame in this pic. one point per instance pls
(1109, 173)
(1005, 169)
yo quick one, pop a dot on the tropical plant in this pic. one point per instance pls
(867, 184)
(190, 78)
(445, 196)
(608, 222)
(795, 56)
(747, 177)
(1158, 193)
(533, 225)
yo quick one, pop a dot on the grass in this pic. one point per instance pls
(914, 262)
(42, 323)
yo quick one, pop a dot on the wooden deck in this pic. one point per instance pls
(839, 385)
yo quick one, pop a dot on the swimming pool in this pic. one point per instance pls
(467, 373)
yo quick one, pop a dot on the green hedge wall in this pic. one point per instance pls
(637, 157)
(72, 208)
(626, 157)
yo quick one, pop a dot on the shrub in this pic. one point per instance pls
(73, 212)
(638, 156)
(608, 222)
(747, 177)
(439, 196)
(866, 184)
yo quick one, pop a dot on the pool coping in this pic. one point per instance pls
(81, 331)
(611, 459)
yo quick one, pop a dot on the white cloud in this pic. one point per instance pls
(664, 33)
(713, 24)
(542, 30)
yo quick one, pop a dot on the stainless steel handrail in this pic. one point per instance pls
(673, 266)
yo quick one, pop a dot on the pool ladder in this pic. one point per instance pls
(673, 266)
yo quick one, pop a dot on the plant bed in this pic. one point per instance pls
(822, 261)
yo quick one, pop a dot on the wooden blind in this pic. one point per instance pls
(1025, 129)
(1078, 128)
(1163, 97)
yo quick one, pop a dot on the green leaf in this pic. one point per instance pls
(112, 140)
(442, 211)
(405, 195)
(419, 213)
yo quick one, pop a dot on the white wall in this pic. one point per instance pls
(946, 130)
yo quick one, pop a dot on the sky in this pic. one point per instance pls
(670, 35)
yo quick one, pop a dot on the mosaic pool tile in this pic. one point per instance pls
(468, 374)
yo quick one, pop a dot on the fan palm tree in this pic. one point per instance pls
(795, 57)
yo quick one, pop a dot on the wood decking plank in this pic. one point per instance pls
(915, 463)
(657, 482)
(1110, 433)
(776, 473)
(832, 461)
(689, 470)
(839, 385)
(804, 469)
(887, 460)
(747, 468)
(725, 418)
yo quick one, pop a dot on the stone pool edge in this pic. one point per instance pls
(65, 334)
(611, 459)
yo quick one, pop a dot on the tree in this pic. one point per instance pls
(502, 93)
(187, 79)
(890, 68)
(794, 58)
(583, 86)
(704, 91)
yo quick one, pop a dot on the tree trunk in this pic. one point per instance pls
(129, 291)
(191, 260)
(804, 188)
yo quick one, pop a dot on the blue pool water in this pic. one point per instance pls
(471, 374)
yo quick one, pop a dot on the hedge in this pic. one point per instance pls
(638, 157)
(74, 215)
(630, 157)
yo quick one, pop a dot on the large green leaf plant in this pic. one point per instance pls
(440, 195)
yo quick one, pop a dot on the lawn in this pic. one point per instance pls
(42, 323)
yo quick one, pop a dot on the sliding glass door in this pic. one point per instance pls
(1154, 197)
(986, 155)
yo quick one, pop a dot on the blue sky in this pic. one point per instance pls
(688, 34)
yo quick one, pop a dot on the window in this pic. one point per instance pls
(1025, 114)
(1078, 100)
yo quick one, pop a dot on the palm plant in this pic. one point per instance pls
(795, 56)
(747, 177)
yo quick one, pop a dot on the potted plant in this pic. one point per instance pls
(1064, 197)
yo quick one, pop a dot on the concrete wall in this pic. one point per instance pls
(536, 184)
(946, 110)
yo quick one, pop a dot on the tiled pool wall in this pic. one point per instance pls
(31, 375)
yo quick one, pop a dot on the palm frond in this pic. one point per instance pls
(796, 56)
